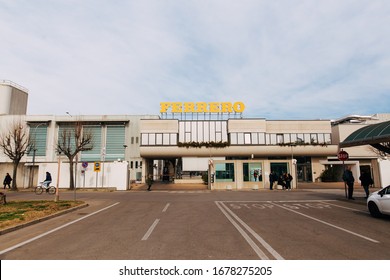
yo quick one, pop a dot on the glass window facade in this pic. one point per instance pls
(224, 172)
(38, 135)
(252, 172)
(95, 153)
(243, 138)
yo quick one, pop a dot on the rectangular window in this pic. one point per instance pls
(233, 138)
(136, 164)
(131, 164)
(255, 138)
(252, 172)
(152, 139)
(224, 172)
(212, 131)
(95, 153)
(173, 139)
(144, 139)
(328, 138)
(247, 139)
(262, 138)
(279, 139)
(66, 136)
(132, 140)
(159, 139)
(240, 138)
(38, 134)
(166, 139)
(273, 139)
(321, 138)
(206, 129)
(115, 141)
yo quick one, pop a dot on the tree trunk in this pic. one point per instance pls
(14, 187)
(71, 172)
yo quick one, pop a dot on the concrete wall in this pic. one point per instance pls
(13, 99)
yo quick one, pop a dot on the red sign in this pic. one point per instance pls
(342, 155)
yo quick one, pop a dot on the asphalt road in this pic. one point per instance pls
(205, 225)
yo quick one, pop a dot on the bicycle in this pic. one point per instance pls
(49, 189)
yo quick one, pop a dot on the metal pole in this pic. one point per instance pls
(75, 178)
(345, 183)
(57, 197)
(32, 169)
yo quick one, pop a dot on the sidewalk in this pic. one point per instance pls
(160, 186)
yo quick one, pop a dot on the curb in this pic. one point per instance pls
(10, 229)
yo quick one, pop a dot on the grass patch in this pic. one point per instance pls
(18, 212)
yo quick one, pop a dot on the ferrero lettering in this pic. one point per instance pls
(202, 107)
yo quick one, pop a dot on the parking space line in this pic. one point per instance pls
(326, 223)
(54, 230)
(230, 215)
(348, 208)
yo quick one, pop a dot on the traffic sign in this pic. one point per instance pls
(96, 166)
(84, 164)
(343, 155)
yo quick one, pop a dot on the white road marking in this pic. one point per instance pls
(224, 209)
(348, 208)
(166, 207)
(54, 230)
(150, 230)
(326, 223)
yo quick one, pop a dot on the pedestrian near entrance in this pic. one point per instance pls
(349, 180)
(366, 182)
(149, 182)
(288, 178)
(272, 179)
(7, 181)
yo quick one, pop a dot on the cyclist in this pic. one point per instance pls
(47, 181)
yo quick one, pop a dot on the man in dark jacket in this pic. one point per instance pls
(366, 181)
(349, 180)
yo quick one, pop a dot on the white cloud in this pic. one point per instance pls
(284, 59)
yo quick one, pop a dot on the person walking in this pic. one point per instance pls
(366, 182)
(7, 181)
(349, 180)
(149, 182)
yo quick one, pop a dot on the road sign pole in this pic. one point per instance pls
(343, 155)
(345, 183)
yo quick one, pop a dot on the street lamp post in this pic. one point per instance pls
(57, 197)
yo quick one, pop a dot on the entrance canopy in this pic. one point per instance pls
(376, 135)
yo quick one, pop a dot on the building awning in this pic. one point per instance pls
(373, 135)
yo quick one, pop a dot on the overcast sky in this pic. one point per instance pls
(282, 59)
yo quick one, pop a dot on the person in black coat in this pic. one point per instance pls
(349, 180)
(366, 181)
(7, 181)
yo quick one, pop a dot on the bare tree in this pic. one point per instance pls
(15, 143)
(71, 141)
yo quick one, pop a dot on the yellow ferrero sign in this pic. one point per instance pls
(201, 107)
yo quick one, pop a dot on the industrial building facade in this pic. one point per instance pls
(213, 138)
